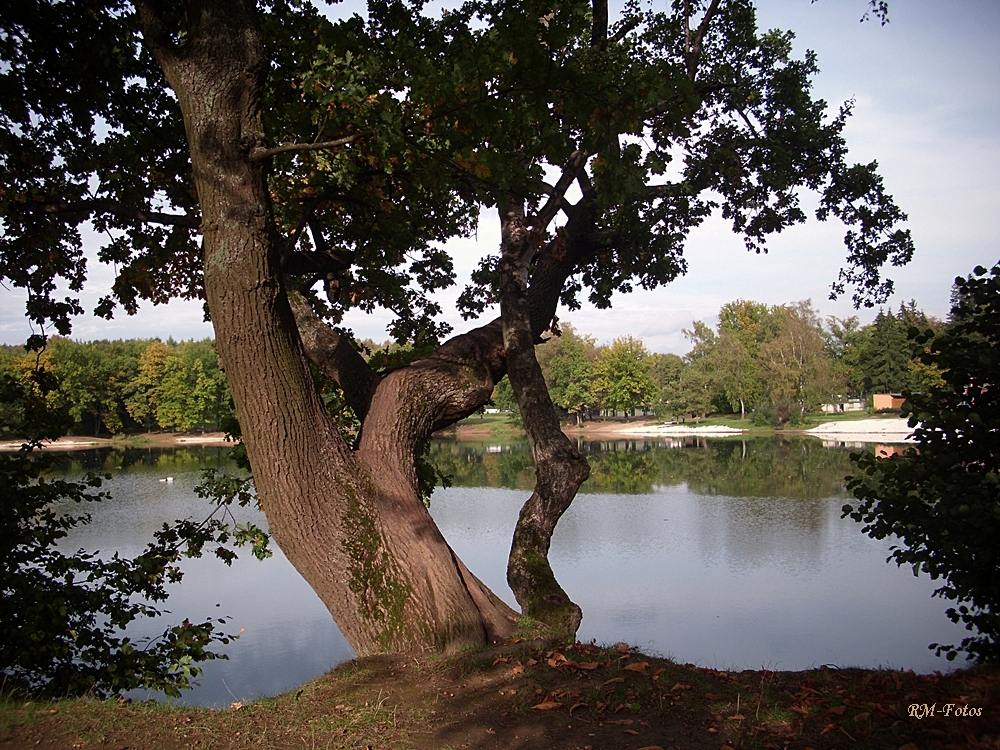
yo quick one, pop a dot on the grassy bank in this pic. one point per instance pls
(535, 695)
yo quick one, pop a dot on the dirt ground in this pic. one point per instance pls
(536, 695)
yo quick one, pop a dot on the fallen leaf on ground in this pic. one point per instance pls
(588, 665)
(613, 680)
(638, 666)
(576, 706)
(631, 731)
(798, 710)
(828, 728)
(736, 717)
(501, 660)
(548, 706)
(709, 696)
(837, 710)
(622, 648)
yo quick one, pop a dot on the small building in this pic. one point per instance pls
(882, 401)
(839, 407)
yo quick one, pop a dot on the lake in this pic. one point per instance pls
(724, 553)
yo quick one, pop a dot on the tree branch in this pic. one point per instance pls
(266, 153)
(334, 357)
(694, 51)
(574, 165)
(599, 31)
(97, 205)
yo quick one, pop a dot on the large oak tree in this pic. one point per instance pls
(286, 169)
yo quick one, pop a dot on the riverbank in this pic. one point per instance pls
(142, 440)
(862, 429)
(539, 696)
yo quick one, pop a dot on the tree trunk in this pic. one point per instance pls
(560, 469)
(351, 523)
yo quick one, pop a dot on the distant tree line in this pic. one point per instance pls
(115, 387)
(769, 363)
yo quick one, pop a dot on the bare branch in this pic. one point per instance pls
(266, 153)
(574, 165)
(694, 52)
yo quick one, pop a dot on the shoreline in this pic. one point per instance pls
(142, 440)
(870, 429)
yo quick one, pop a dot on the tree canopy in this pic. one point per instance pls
(288, 168)
(941, 497)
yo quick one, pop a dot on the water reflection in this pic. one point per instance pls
(726, 553)
(795, 467)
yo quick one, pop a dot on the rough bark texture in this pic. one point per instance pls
(352, 523)
(560, 469)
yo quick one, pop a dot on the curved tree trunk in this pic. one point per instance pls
(351, 523)
(560, 469)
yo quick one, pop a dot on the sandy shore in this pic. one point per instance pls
(145, 440)
(884, 429)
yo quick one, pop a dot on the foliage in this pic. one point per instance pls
(941, 498)
(622, 375)
(62, 614)
(120, 386)
(566, 361)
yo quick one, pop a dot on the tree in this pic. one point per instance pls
(941, 497)
(622, 375)
(566, 361)
(63, 615)
(798, 370)
(666, 372)
(322, 164)
(699, 381)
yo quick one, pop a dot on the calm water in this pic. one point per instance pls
(724, 553)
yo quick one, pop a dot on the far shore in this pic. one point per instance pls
(139, 440)
(871, 429)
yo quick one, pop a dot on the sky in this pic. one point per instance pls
(927, 108)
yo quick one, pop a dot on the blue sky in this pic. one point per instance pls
(927, 108)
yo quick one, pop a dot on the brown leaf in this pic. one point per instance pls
(613, 680)
(712, 730)
(638, 666)
(711, 696)
(622, 648)
(863, 716)
(828, 728)
(501, 660)
(518, 669)
(588, 665)
(736, 717)
(837, 710)
(798, 710)
(909, 746)
(531, 662)
(658, 671)
(631, 731)
(548, 705)
(576, 706)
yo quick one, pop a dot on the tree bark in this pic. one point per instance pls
(560, 469)
(352, 523)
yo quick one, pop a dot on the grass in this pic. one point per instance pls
(531, 695)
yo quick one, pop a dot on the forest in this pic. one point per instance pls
(771, 364)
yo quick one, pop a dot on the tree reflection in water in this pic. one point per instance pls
(789, 467)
